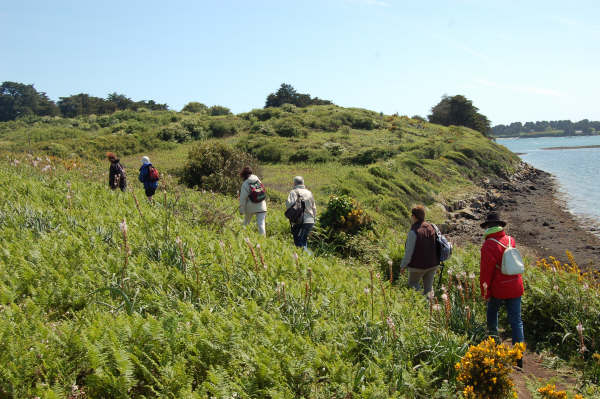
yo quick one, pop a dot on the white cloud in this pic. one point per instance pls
(520, 88)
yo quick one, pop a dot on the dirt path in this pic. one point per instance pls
(536, 375)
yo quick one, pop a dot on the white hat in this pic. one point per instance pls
(145, 160)
(298, 180)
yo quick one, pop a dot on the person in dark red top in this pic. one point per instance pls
(497, 288)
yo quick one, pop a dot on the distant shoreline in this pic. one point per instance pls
(536, 136)
(576, 147)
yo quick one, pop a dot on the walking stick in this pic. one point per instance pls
(441, 273)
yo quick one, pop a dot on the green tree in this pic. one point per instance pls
(459, 111)
(84, 104)
(18, 99)
(120, 100)
(195, 107)
(217, 110)
(286, 94)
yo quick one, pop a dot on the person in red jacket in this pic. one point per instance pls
(497, 288)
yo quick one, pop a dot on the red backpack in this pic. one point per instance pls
(153, 173)
(257, 192)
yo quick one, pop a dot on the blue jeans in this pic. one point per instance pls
(300, 233)
(513, 308)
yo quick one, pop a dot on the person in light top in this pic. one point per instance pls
(248, 208)
(300, 231)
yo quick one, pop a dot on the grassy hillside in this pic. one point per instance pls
(104, 295)
(387, 162)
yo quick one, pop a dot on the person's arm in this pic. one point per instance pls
(142, 175)
(314, 207)
(409, 249)
(487, 265)
(291, 199)
(243, 197)
(111, 176)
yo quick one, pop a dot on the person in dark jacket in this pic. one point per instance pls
(420, 252)
(116, 173)
(499, 289)
(150, 186)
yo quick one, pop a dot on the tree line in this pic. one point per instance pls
(585, 127)
(19, 100)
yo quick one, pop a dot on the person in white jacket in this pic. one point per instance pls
(301, 231)
(248, 208)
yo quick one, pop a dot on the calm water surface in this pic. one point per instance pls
(576, 170)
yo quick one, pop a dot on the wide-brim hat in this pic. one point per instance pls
(492, 219)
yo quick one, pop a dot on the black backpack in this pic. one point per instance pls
(295, 213)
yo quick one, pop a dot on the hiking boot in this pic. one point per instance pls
(520, 363)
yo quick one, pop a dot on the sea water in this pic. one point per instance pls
(576, 170)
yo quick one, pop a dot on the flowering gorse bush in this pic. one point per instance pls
(343, 214)
(562, 308)
(485, 369)
(589, 278)
(550, 392)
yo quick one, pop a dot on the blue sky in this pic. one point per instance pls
(516, 60)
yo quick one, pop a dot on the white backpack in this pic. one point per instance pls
(512, 261)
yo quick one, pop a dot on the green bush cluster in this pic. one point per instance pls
(222, 128)
(343, 214)
(215, 166)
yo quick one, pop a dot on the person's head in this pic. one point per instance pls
(418, 214)
(492, 220)
(298, 181)
(246, 172)
(111, 156)
(145, 160)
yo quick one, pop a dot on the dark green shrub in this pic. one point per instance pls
(266, 113)
(195, 107)
(302, 155)
(369, 156)
(381, 172)
(215, 167)
(198, 129)
(288, 128)
(362, 122)
(223, 128)
(335, 149)
(174, 132)
(320, 156)
(268, 153)
(217, 110)
(262, 128)
(305, 155)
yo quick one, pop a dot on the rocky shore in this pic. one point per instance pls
(536, 215)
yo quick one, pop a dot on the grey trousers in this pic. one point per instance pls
(415, 276)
